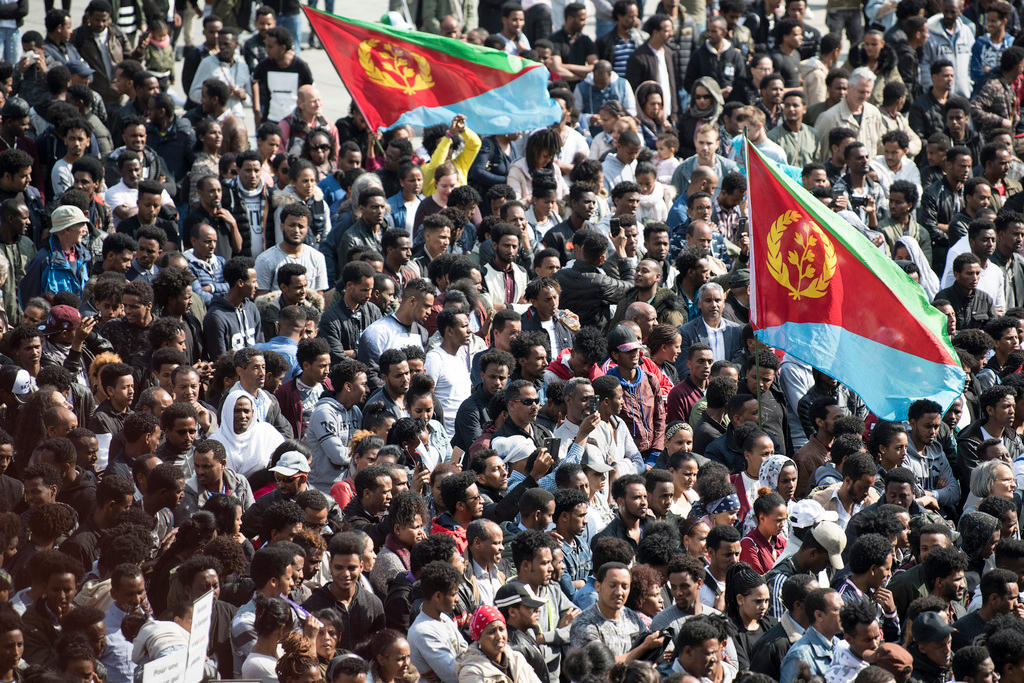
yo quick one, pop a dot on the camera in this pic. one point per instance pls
(858, 202)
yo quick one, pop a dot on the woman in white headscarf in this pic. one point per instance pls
(927, 278)
(248, 441)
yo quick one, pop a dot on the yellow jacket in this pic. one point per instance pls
(463, 160)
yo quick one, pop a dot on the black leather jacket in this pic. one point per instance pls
(589, 292)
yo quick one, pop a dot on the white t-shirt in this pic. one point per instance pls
(269, 261)
(410, 213)
(121, 194)
(453, 385)
(549, 327)
(663, 81)
(573, 144)
(751, 485)
(260, 668)
(716, 340)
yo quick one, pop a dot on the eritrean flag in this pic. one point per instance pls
(825, 294)
(402, 77)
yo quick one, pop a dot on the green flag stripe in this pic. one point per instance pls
(909, 293)
(482, 56)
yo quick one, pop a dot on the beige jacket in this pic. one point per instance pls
(473, 666)
(813, 71)
(869, 130)
(900, 122)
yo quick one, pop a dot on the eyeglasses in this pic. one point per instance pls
(527, 401)
(322, 148)
(702, 97)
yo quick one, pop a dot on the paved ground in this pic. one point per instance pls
(335, 95)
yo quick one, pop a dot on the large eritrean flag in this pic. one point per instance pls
(825, 294)
(402, 77)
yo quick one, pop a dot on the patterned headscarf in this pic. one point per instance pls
(724, 504)
(770, 470)
(483, 616)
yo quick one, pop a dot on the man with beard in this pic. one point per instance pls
(343, 322)
(295, 219)
(646, 288)
(252, 194)
(128, 334)
(368, 231)
(402, 328)
(224, 66)
(495, 366)
(17, 248)
(394, 370)
(630, 494)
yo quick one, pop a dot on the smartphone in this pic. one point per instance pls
(553, 446)
(615, 225)
(592, 404)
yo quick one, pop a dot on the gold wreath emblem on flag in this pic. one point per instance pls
(796, 271)
(391, 66)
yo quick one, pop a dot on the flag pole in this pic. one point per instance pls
(757, 360)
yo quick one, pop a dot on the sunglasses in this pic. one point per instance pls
(528, 401)
(702, 97)
(322, 148)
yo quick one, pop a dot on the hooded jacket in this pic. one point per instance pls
(331, 425)
(228, 328)
(956, 48)
(51, 272)
(560, 367)
(446, 524)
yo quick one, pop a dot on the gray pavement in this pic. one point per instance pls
(335, 95)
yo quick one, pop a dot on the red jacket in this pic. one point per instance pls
(446, 524)
(643, 410)
(560, 367)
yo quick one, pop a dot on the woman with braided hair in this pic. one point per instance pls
(746, 604)
(298, 664)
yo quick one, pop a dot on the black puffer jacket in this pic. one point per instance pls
(589, 292)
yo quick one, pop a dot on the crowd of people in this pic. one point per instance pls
(421, 405)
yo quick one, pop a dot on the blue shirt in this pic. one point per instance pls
(117, 656)
(287, 347)
(586, 596)
(577, 558)
(813, 648)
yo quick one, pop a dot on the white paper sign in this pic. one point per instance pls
(199, 637)
(167, 669)
(103, 455)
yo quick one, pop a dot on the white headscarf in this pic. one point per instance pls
(249, 451)
(928, 279)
